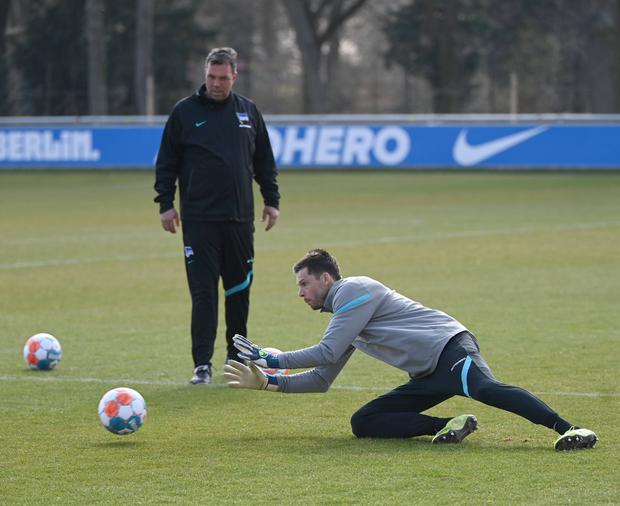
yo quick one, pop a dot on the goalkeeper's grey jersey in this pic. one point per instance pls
(372, 318)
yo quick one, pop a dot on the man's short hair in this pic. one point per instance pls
(318, 261)
(223, 56)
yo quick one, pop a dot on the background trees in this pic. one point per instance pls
(318, 31)
(74, 57)
(440, 41)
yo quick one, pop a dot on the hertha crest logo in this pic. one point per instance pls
(244, 120)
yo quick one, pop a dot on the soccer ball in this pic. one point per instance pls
(275, 351)
(42, 351)
(122, 411)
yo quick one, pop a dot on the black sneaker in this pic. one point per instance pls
(576, 439)
(456, 429)
(202, 375)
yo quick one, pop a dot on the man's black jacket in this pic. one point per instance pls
(214, 149)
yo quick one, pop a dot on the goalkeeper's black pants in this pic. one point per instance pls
(213, 250)
(461, 370)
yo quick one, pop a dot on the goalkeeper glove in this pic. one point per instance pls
(248, 375)
(250, 351)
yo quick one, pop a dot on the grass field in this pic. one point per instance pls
(529, 262)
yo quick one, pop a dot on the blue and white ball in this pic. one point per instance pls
(122, 411)
(42, 351)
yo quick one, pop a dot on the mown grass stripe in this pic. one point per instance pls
(357, 388)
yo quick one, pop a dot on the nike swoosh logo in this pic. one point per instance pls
(199, 123)
(465, 154)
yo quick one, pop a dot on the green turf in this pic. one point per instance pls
(529, 262)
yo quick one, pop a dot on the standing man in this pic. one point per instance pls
(440, 355)
(214, 143)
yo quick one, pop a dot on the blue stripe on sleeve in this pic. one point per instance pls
(464, 372)
(354, 303)
(240, 286)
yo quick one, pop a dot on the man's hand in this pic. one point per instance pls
(240, 375)
(271, 215)
(169, 219)
(254, 353)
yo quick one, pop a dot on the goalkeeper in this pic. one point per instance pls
(440, 355)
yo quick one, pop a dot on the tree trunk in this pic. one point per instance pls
(17, 103)
(143, 77)
(97, 75)
(5, 7)
(313, 86)
(243, 41)
(314, 29)
(446, 100)
(333, 62)
(269, 35)
(617, 57)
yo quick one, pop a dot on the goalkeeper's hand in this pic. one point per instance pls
(250, 351)
(248, 375)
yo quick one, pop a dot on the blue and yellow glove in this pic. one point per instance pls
(250, 351)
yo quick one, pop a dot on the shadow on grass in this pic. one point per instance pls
(119, 443)
(328, 445)
(336, 443)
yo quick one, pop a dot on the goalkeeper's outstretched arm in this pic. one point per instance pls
(249, 375)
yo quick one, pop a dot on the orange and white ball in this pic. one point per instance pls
(42, 351)
(122, 410)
